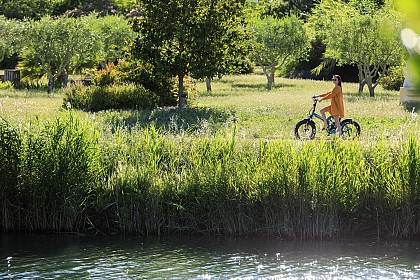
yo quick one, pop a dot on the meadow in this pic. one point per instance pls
(228, 164)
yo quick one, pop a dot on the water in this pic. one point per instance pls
(43, 256)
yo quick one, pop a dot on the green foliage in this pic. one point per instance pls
(6, 85)
(394, 79)
(10, 148)
(108, 76)
(281, 9)
(359, 34)
(142, 73)
(11, 32)
(125, 4)
(115, 35)
(58, 45)
(54, 167)
(146, 181)
(208, 33)
(125, 86)
(278, 43)
(96, 98)
(34, 9)
(190, 89)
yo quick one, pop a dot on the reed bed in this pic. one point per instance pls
(65, 175)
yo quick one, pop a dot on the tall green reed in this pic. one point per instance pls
(224, 184)
(136, 179)
(10, 144)
(55, 175)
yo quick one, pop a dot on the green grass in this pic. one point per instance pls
(244, 100)
(273, 114)
(228, 165)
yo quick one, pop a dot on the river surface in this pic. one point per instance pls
(50, 256)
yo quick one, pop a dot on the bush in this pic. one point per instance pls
(96, 98)
(6, 85)
(190, 90)
(142, 74)
(394, 79)
(108, 76)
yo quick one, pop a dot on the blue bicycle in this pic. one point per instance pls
(306, 128)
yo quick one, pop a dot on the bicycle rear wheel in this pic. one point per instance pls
(305, 130)
(350, 129)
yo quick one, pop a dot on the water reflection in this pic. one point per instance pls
(29, 256)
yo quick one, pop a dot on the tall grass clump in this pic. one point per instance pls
(10, 145)
(56, 176)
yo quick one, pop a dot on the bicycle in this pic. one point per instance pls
(306, 128)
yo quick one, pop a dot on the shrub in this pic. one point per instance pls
(6, 85)
(394, 79)
(190, 89)
(142, 74)
(96, 98)
(108, 76)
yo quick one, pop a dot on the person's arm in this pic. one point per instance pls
(323, 96)
(331, 94)
(334, 92)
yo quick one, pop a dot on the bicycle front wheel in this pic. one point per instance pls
(350, 129)
(305, 130)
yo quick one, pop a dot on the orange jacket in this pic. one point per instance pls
(337, 102)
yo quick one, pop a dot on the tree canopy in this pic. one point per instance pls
(364, 36)
(10, 37)
(184, 37)
(278, 42)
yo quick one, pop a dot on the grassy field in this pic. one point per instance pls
(227, 165)
(241, 99)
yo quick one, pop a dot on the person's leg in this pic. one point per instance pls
(322, 111)
(338, 125)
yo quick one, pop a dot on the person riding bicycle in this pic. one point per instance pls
(336, 109)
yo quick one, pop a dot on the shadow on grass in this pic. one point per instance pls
(262, 86)
(171, 119)
(364, 96)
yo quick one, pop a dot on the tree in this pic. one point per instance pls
(116, 35)
(221, 43)
(181, 37)
(284, 8)
(10, 37)
(364, 36)
(55, 44)
(278, 42)
(20, 9)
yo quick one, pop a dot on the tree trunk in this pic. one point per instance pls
(361, 86)
(181, 95)
(370, 86)
(65, 79)
(361, 78)
(50, 84)
(269, 73)
(208, 84)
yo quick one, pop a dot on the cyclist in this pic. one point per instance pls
(336, 109)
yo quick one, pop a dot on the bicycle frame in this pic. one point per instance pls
(330, 120)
